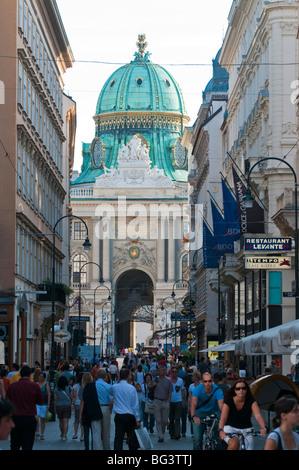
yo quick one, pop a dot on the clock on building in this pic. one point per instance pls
(97, 153)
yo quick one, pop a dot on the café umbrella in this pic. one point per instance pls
(269, 388)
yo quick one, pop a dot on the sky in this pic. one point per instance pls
(182, 37)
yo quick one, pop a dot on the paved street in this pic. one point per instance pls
(54, 442)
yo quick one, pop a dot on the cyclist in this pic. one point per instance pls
(207, 398)
(238, 407)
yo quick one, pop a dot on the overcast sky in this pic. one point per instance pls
(183, 37)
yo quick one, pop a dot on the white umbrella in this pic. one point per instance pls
(288, 333)
(226, 346)
(272, 341)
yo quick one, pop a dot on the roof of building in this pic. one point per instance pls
(141, 98)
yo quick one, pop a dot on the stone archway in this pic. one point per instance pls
(134, 304)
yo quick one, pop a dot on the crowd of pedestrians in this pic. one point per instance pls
(136, 392)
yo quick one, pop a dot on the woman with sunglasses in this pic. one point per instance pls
(236, 412)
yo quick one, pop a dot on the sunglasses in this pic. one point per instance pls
(240, 388)
(207, 381)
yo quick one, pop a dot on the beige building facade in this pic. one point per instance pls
(37, 128)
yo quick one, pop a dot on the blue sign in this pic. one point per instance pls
(267, 244)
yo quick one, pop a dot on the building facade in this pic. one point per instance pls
(258, 134)
(205, 150)
(37, 126)
(132, 192)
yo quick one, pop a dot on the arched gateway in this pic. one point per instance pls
(134, 308)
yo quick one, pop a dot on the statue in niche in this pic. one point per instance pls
(134, 146)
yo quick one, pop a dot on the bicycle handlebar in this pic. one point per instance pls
(209, 419)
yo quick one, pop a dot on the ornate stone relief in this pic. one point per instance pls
(134, 169)
(127, 253)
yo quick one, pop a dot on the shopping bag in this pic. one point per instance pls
(149, 407)
(144, 439)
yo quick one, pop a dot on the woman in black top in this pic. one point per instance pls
(238, 406)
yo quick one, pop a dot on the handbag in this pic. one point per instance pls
(149, 407)
(279, 446)
(48, 416)
(143, 438)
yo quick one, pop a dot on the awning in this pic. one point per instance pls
(226, 346)
(277, 340)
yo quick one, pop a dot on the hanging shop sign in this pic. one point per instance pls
(267, 244)
(62, 336)
(267, 262)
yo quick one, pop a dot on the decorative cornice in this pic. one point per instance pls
(141, 119)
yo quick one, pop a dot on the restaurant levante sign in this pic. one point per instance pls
(267, 244)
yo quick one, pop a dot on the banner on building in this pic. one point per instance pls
(223, 243)
(231, 212)
(210, 257)
(251, 219)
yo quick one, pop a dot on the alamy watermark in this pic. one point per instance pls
(295, 94)
(295, 353)
(151, 221)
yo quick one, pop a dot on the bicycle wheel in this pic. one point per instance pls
(208, 445)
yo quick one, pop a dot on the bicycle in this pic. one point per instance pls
(242, 435)
(210, 440)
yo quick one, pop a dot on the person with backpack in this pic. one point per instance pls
(207, 398)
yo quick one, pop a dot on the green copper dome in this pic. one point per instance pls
(141, 86)
(138, 98)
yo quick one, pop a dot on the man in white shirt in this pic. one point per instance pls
(126, 409)
(102, 427)
(177, 401)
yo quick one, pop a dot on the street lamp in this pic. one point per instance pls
(248, 202)
(102, 340)
(94, 315)
(189, 294)
(101, 280)
(86, 246)
(163, 308)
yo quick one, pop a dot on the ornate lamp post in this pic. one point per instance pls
(102, 341)
(189, 294)
(163, 308)
(94, 315)
(86, 246)
(248, 201)
(101, 280)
